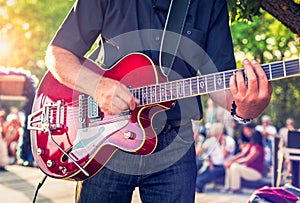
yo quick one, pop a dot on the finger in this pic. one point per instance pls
(251, 77)
(240, 81)
(133, 102)
(270, 88)
(128, 98)
(260, 73)
(264, 86)
(232, 83)
(118, 105)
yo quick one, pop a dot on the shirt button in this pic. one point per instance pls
(188, 32)
(157, 38)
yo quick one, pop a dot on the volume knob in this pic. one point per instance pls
(129, 135)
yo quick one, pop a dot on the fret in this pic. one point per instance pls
(141, 94)
(202, 85)
(146, 89)
(168, 91)
(270, 76)
(180, 89)
(224, 79)
(137, 93)
(227, 76)
(191, 88)
(187, 87)
(152, 94)
(148, 95)
(194, 86)
(173, 90)
(198, 86)
(292, 67)
(210, 83)
(284, 69)
(215, 82)
(157, 93)
(277, 70)
(134, 92)
(267, 70)
(219, 81)
(205, 84)
(163, 92)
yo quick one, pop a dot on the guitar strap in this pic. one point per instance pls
(172, 33)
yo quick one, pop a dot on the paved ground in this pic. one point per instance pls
(18, 185)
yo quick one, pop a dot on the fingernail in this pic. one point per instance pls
(246, 61)
(254, 62)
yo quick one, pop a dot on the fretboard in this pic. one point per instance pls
(204, 84)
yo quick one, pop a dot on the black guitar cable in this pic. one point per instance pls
(38, 188)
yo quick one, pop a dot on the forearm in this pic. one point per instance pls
(68, 70)
(223, 99)
(111, 95)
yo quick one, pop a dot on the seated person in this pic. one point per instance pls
(217, 148)
(248, 164)
(244, 136)
(11, 131)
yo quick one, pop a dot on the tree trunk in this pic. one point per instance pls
(286, 11)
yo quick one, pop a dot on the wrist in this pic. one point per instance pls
(238, 118)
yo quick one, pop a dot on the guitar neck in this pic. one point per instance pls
(204, 84)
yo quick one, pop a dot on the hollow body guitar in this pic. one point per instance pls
(72, 139)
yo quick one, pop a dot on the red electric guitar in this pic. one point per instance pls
(72, 139)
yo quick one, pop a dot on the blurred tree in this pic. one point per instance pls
(286, 11)
(26, 27)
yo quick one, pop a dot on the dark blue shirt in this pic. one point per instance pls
(136, 25)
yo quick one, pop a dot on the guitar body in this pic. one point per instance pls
(72, 139)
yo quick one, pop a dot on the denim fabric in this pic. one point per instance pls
(173, 183)
(209, 175)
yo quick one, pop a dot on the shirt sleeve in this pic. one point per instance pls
(230, 144)
(81, 27)
(219, 45)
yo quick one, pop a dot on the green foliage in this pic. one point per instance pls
(243, 9)
(26, 27)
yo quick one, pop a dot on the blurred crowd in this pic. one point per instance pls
(14, 147)
(230, 154)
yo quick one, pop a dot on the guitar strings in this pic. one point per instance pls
(156, 91)
(163, 91)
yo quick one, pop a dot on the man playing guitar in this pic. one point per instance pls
(167, 172)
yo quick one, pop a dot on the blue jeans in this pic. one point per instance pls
(209, 175)
(168, 175)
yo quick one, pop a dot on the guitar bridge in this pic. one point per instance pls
(49, 117)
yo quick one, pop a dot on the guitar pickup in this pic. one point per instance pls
(50, 116)
(93, 111)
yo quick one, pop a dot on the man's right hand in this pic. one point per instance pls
(113, 97)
